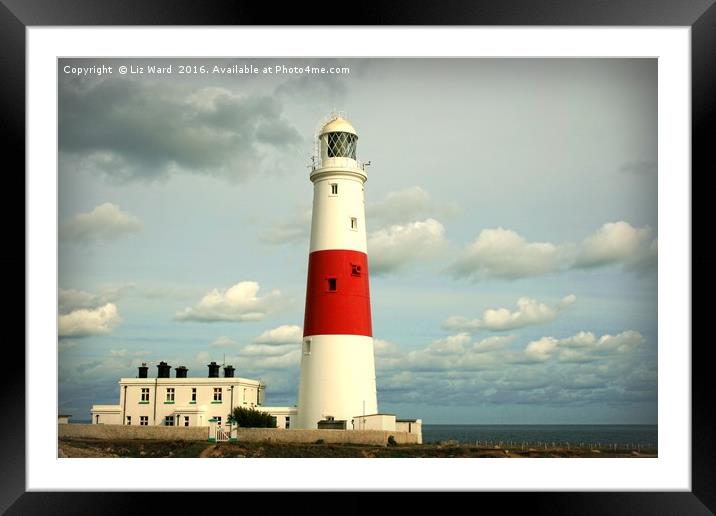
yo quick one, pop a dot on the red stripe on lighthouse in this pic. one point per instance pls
(337, 294)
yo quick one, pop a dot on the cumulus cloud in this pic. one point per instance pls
(86, 322)
(238, 303)
(408, 204)
(576, 370)
(529, 312)
(393, 247)
(618, 242)
(503, 253)
(104, 223)
(275, 348)
(285, 334)
(73, 299)
(584, 346)
(139, 130)
(385, 348)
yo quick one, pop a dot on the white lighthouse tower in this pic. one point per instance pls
(337, 362)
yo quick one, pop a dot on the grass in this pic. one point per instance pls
(162, 448)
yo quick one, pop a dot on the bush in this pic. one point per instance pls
(320, 441)
(391, 441)
(251, 418)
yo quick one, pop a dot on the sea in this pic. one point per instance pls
(584, 435)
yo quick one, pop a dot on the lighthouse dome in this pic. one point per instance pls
(338, 124)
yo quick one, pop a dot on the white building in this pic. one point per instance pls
(185, 401)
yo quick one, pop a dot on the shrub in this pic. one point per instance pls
(251, 418)
(320, 441)
(391, 441)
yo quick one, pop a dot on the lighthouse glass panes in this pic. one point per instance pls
(342, 145)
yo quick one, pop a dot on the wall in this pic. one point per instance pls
(414, 427)
(134, 432)
(376, 437)
(375, 422)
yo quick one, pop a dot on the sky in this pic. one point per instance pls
(511, 212)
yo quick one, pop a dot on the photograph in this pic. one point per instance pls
(377, 257)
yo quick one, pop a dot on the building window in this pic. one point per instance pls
(334, 188)
(355, 269)
(307, 347)
(354, 223)
(145, 395)
(288, 422)
(186, 420)
(193, 394)
(129, 420)
(143, 420)
(169, 421)
(244, 398)
(218, 420)
(217, 394)
(170, 395)
(331, 284)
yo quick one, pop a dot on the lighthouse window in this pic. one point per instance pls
(334, 188)
(332, 284)
(354, 223)
(341, 145)
(307, 347)
(355, 269)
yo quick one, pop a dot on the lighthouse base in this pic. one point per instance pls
(337, 379)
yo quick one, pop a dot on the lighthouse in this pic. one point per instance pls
(337, 360)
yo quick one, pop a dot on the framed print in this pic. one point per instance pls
(167, 192)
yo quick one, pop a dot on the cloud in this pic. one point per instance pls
(408, 204)
(72, 299)
(285, 334)
(86, 322)
(315, 88)
(131, 130)
(104, 223)
(295, 230)
(222, 342)
(618, 243)
(384, 348)
(394, 247)
(504, 254)
(581, 369)
(529, 312)
(238, 303)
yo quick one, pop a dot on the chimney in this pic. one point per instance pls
(229, 371)
(213, 370)
(143, 370)
(181, 371)
(163, 370)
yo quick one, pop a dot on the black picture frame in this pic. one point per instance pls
(17, 15)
